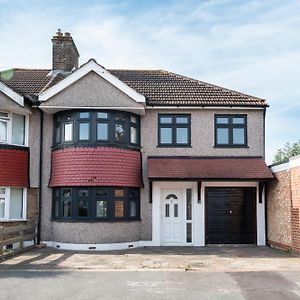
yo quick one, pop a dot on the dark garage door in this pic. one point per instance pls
(230, 215)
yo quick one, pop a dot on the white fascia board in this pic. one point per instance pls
(54, 109)
(181, 107)
(89, 67)
(11, 94)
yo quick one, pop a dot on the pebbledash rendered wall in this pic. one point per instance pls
(283, 206)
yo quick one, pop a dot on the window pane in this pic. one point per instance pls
(84, 131)
(167, 210)
(2, 191)
(119, 209)
(189, 232)
(165, 135)
(189, 204)
(165, 120)
(120, 117)
(101, 209)
(102, 115)
(119, 193)
(82, 208)
(2, 207)
(3, 131)
(133, 135)
(68, 132)
(181, 135)
(176, 210)
(222, 120)
(132, 119)
(56, 208)
(57, 134)
(181, 120)
(120, 132)
(239, 136)
(84, 115)
(102, 131)
(132, 208)
(66, 193)
(240, 120)
(83, 193)
(18, 129)
(66, 209)
(222, 136)
(101, 192)
(16, 204)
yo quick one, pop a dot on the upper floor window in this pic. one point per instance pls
(230, 130)
(12, 128)
(174, 130)
(12, 204)
(96, 127)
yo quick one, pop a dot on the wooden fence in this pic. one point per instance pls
(13, 238)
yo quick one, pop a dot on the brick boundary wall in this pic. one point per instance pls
(283, 206)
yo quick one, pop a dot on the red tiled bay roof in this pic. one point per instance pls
(208, 168)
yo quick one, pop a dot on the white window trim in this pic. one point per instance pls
(9, 129)
(7, 205)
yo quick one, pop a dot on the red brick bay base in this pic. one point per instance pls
(283, 206)
(99, 166)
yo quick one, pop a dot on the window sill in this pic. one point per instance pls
(231, 146)
(95, 221)
(174, 146)
(13, 221)
(13, 146)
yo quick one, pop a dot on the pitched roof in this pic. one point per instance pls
(164, 88)
(161, 88)
(208, 168)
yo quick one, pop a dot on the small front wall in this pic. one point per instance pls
(96, 233)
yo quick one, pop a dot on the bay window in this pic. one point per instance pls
(12, 204)
(96, 128)
(96, 203)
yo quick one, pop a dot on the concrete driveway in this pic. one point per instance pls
(208, 259)
(249, 273)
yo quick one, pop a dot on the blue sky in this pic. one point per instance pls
(249, 46)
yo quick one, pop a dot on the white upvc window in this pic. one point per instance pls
(13, 204)
(13, 129)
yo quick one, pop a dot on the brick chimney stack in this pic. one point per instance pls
(64, 52)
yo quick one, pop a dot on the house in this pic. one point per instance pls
(126, 158)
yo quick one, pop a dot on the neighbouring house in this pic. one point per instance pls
(283, 204)
(126, 158)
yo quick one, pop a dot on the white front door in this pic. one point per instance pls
(172, 216)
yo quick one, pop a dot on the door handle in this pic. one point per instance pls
(230, 212)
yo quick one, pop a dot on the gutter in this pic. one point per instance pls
(40, 178)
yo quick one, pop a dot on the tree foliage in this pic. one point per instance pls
(289, 150)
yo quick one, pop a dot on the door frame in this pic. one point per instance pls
(157, 187)
(260, 207)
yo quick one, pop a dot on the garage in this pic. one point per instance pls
(230, 215)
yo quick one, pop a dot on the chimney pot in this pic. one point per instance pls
(58, 33)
